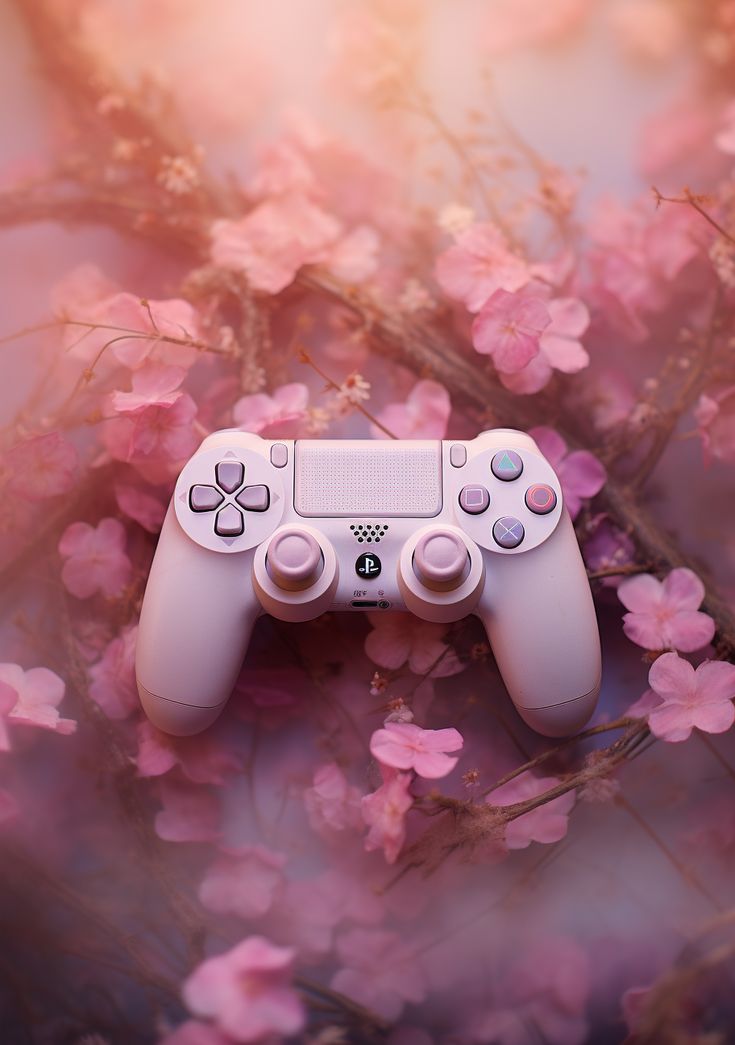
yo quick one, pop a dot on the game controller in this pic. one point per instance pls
(439, 528)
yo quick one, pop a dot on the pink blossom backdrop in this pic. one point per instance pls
(388, 220)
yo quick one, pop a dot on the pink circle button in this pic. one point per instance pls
(441, 560)
(294, 560)
(540, 499)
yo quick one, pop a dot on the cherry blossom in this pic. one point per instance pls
(379, 971)
(95, 558)
(309, 909)
(354, 257)
(665, 615)
(272, 242)
(725, 139)
(242, 880)
(645, 704)
(424, 415)
(384, 812)
(403, 745)
(607, 548)
(265, 414)
(580, 473)
(479, 264)
(154, 439)
(31, 698)
(141, 506)
(559, 348)
(247, 991)
(202, 759)
(332, 803)
(547, 823)
(154, 385)
(690, 699)
(715, 415)
(190, 813)
(508, 328)
(113, 677)
(40, 467)
(403, 637)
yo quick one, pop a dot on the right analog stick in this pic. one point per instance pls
(294, 560)
(441, 560)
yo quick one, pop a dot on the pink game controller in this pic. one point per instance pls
(441, 529)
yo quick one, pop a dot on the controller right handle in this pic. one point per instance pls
(540, 620)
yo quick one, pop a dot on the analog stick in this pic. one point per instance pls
(294, 560)
(441, 560)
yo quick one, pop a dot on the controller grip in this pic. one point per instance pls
(539, 617)
(195, 624)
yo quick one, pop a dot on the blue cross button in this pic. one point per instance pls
(508, 532)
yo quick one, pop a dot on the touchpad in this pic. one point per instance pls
(362, 477)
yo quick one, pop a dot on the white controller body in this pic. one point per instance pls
(316, 525)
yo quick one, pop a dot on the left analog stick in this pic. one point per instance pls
(294, 560)
(441, 560)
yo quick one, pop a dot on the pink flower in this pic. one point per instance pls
(202, 759)
(403, 745)
(547, 823)
(242, 881)
(273, 241)
(580, 473)
(41, 467)
(607, 548)
(479, 264)
(268, 415)
(154, 439)
(140, 506)
(424, 415)
(113, 677)
(95, 558)
(559, 348)
(645, 704)
(715, 415)
(690, 699)
(354, 258)
(379, 971)
(725, 139)
(509, 327)
(665, 615)
(31, 698)
(384, 811)
(153, 385)
(247, 991)
(332, 803)
(401, 637)
(190, 813)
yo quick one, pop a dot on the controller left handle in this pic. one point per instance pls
(198, 613)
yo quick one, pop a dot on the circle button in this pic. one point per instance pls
(508, 532)
(506, 465)
(368, 566)
(441, 560)
(540, 499)
(294, 560)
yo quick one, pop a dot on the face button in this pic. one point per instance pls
(506, 465)
(541, 499)
(279, 455)
(368, 566)
(229, 522)
(230, 475)
(441, 560)
(508, 532)
(474, 499)
(294, 560)
(458, 455)
(254, 498)
(204, 498)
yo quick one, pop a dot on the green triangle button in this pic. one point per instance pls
(506, 465)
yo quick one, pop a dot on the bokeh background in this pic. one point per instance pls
(128, 131)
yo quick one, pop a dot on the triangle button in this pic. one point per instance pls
(506, 465)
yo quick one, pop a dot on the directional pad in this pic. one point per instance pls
(254, 498)
(229, 522)
(204, 498)
(230, 475)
